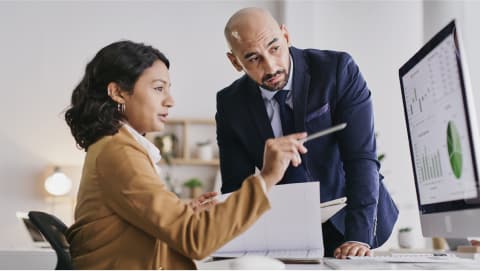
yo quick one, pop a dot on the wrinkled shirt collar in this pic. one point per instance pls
(152, 150)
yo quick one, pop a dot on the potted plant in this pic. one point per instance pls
(166, 144)
(381, 156)
(195, 186)
(205, 150)
(406, 238)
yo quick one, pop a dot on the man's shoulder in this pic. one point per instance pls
(234, 89)
(324, 63)
(326, 55)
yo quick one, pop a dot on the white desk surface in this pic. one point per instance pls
(37, 258)
(28, 258)
(352, 265)
(330, 263)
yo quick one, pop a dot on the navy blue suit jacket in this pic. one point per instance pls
(328, 89)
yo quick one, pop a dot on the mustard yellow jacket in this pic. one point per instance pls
(126, 218)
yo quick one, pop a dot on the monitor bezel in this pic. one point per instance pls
(455, 205)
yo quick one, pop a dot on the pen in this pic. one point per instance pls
(330, 130)
(207, 201)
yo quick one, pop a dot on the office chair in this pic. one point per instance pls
(54, 231)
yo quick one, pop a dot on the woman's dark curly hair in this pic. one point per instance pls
(92, 113)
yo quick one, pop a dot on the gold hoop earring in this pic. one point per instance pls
(121, 108)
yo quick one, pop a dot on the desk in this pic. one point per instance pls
(225, 265)
(46, 259)
(31, 258)
(330, 263)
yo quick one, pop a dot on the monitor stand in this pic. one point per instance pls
(454, 243)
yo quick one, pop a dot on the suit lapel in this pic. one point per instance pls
(258, 112)
(301, 84)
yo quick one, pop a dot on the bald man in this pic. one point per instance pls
(286, 90)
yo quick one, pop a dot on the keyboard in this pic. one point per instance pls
(403, 261)
(410, 258)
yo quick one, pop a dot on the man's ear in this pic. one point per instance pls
(114, 91)
(285, 34)
(233, 59)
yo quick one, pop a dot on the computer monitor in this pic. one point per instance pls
(443, 136)
(35, 236)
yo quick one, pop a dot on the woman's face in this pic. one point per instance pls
(146, 109)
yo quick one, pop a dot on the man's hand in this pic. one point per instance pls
(351, 249)
(278, 154)
(204, 202)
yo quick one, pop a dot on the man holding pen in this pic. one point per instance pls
(287, 90)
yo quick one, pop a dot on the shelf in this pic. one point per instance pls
(191, 121)
(193, 162)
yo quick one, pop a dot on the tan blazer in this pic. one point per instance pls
(126, 218)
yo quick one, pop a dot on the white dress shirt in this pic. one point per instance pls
(273, 110)
(152, 150)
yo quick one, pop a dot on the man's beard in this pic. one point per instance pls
(280, 85)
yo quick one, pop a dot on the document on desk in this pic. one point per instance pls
(330, 208)
(290, 230)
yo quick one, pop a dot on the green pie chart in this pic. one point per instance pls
(454, 149)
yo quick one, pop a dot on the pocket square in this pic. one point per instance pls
(317, 113)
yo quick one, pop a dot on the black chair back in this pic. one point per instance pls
(53, 229)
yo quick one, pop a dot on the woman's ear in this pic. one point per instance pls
(114, 91)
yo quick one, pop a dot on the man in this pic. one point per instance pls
(286, 90)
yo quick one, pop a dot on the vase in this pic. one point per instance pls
(196, 192)
(406, 239)
(205, 152)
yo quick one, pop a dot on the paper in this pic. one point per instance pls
(330, 208)
(291, 229)
(328, 212)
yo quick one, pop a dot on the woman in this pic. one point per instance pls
(125, 217)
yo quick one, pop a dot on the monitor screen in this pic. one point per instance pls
(36, 238)
(438, 110)
(35, 234)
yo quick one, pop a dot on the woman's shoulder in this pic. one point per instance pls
(115, 144)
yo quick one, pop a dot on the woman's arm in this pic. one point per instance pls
(135, 192)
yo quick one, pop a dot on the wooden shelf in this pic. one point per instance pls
(184, 152)
(193, 162)
(187, 141)
(191, 121)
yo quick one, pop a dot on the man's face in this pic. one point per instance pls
(263, 55)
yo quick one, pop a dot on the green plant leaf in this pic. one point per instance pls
(192, 183)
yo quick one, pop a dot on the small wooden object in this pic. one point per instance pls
(468, 249)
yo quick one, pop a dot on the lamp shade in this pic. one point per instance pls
(58, 184)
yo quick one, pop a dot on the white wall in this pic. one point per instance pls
(45, 47)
